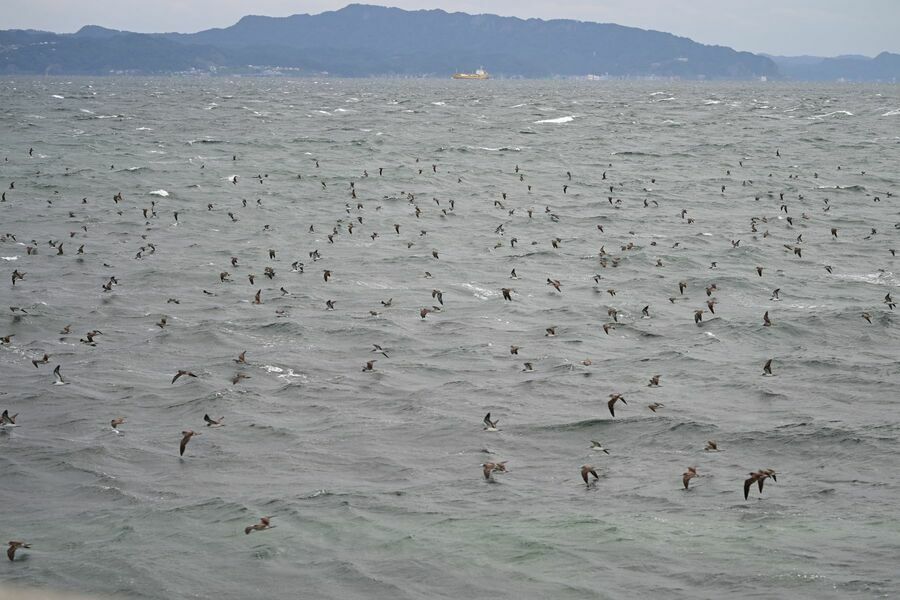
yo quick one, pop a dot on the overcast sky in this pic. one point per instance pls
(790, 27)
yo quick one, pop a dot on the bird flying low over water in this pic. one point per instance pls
(688, 475)
(13, 547)
(613, 398)
(214, 422)
(263, 524)
(489, 468)
(490, 425)
(187, 435)
(180, 373)
(758, 477)
(588, 470)
(598, 446)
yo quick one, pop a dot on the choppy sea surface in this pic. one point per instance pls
(374, 478)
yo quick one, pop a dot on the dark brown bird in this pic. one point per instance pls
(759, 271)
(210, 422)
(766, 321)
(162, 323)
(13, 546)
(688, 475)
(654, 381)
(588, 470)
(867, 317)
(424, 312)
(490, 468)
(238, 377)
(242, 358)
(681, 286)
(507, 293)
(180, 373)
(613, 398)
(370, 365)
(514, 349)
(184, 441)
(551, 332)
(257, 297)
(326, 274)
(712, 446)
(698, 316)
(655, 406)
(116, 422)
(439, 295)
(758, 477)
(555, 283)
(263, 524)
(767, 368)
(40, 361)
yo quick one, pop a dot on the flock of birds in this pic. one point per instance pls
(345, 226)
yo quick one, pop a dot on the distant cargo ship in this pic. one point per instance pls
(479, 74)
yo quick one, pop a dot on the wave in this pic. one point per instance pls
(831, 114)
(557, 120)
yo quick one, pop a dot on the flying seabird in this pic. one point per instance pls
(489, 468)
(490, 425)
(180, 373)
(59, 377)
(613, 398)
(688, 475)
(598, 446)
(184, 441)
(210, 422)
(7, 420)
(13, 546)
(588, 470)
(767, 368)
(758, 477)
(263, 524)
(116, 422)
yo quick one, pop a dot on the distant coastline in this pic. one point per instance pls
(365, 41)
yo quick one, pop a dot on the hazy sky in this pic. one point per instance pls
(820, 27)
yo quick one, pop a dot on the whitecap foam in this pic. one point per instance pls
(480, 293)
(57, 96)
(557, 120)
(831, 114)
(162, 193)
(9, 257)
(892, 113)
(143, 129)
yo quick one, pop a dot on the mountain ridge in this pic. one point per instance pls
(367, 40)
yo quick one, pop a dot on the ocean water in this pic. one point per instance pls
(374, 479)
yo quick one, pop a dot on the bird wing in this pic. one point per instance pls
(685, 479)
(488, 467)
(177, 375)
(760, 483)
(184, 442)
(584, 474)
(747, 484)
(11, 552)
(207, 419)
(611, 404)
